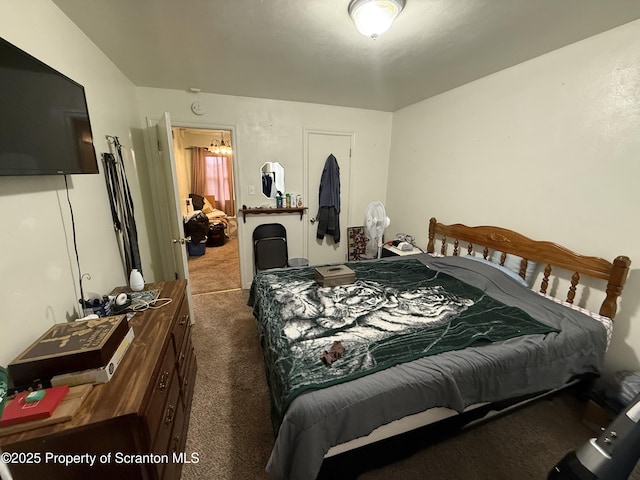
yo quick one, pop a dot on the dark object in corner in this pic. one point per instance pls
(611, 456)
(197, 201)
(217, 236)
(197, 227)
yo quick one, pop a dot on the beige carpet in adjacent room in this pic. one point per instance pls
(231, 432)
(217, 270)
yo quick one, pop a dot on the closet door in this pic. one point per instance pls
(319, 145)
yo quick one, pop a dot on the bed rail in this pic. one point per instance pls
(545, 253)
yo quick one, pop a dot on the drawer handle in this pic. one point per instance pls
(185, 317)
(162, 384)
(170, 412)
(182, 355)
(176, 444)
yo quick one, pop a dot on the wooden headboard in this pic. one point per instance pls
(545, 253)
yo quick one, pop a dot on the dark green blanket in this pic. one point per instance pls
(395, 312)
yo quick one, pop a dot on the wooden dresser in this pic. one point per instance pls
(135, 426)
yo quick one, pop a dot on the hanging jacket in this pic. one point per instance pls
(267, 184)
(329, 201)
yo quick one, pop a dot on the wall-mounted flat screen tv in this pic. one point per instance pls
(44, 121)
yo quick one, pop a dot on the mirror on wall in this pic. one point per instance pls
(272, 177)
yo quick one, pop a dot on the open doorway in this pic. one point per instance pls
(205, 180)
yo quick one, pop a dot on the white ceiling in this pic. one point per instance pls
(310, 51)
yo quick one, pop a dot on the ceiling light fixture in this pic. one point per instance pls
(220, 148)
(374, 17)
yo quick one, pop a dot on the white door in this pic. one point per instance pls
(319, 145)
(172, 239)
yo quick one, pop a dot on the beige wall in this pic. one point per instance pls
(550, 148)
(556, 137)
(273, 130)
(38, 273)
(183, 168)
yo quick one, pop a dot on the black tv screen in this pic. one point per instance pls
(44, 121)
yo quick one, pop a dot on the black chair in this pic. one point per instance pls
(270, 246)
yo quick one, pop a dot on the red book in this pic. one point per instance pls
(20, 411)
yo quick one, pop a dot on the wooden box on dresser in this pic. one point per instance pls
(133, 427)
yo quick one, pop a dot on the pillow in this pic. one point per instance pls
(606, 322)
(207, 207)
(504, 269)
(512, 262)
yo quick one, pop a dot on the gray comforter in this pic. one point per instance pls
(318, 420)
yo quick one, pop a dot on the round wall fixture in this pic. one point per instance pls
(197, 108)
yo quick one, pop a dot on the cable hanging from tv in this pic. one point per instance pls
(121, 203)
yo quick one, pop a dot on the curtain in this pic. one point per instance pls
(213, 175)
(198, 170)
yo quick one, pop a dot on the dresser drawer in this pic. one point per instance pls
(189, 376)
(189, 382)
(175, 448)
(181, 327)
(173, 416)
(155, 411)
(184, 354)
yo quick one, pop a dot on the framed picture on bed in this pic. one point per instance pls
(356, 243)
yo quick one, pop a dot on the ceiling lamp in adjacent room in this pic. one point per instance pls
(220, 148)
(374, 17)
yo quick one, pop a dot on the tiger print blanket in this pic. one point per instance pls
(395, 312)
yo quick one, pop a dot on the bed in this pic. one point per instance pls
(425, 337)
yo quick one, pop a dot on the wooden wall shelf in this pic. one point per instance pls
(259, 211)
